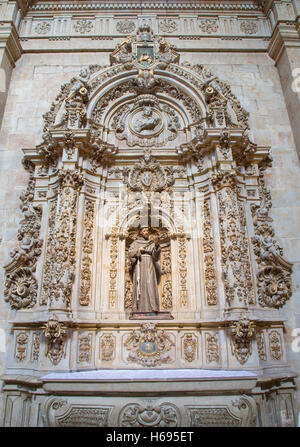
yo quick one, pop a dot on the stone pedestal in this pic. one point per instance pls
(151, 316)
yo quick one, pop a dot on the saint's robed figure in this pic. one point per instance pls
(145, 272)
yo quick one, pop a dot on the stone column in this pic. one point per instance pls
(284, 48)
(10, 47)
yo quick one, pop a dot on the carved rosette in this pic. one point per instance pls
(149, 346)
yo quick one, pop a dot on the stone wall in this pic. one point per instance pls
(262, 87)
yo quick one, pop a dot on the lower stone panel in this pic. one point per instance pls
(217, 399)
(226, 411)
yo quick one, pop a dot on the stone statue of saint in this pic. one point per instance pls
(145, 272)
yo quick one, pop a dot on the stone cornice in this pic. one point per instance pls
(284, 36)
(148, 5)
(9, 40)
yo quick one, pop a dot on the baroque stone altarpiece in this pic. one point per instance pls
(148, 138)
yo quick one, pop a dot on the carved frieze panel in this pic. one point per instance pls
(238, 413)
(61, 413)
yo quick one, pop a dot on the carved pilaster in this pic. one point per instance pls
(60, 255)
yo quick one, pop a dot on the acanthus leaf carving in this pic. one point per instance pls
(21, 285)
(274, 272)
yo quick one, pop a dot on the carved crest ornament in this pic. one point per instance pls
(153, 126)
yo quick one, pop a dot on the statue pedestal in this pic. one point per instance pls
(151, 316)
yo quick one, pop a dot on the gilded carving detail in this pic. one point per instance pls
(209, 257)
(60, 261)
(261, 345)
(21, 346)
(55, 334)
(87, 251)
(212, 347)
(107, 347)
(36, 341)
(84, 348)
(243, 332)
(149, 346)
(190, 346)
(183, 290)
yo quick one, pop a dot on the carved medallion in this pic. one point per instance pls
(149, 415)
(149, 346)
